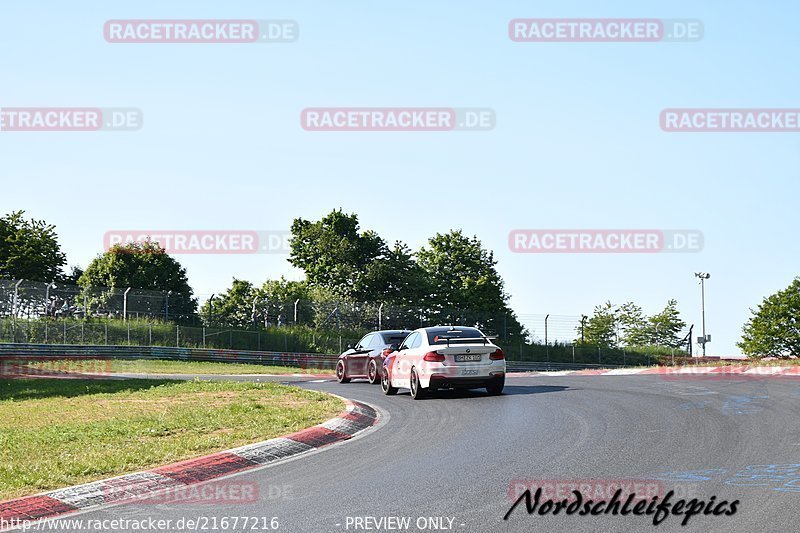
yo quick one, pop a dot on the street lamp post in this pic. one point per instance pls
(703, 277)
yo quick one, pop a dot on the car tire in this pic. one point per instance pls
(495, 387)
(341, 375)
(386, 385)
(417, 392)
(372, 372)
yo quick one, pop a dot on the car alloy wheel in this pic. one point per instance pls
(386, 385)
(372, 372)
(340, 374)
(416, 390)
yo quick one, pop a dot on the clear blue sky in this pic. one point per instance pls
(577, 142)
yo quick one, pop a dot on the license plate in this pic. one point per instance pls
(470, 372)
(468, 357)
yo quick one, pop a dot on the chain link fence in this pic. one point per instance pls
(32, 300)
(32, 312)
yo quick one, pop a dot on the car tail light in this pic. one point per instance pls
(434, 357)
(497, 355)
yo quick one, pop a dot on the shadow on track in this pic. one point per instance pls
(509, 390)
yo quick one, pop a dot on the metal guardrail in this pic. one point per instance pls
(168, 353)
(542, 366)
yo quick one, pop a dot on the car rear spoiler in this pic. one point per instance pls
(483, 338)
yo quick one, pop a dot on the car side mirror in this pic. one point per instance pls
(349, 346)
(395, 347)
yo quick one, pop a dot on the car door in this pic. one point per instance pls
(401, 369)
(358, 359)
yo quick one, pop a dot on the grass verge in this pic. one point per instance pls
(55, 433)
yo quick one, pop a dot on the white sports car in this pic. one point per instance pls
(444, 357)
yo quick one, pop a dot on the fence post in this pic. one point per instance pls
(295, 310)
(151, 334)
(65, 331)
(599, 357)
(380, 316)
(177, 336)
(573, 353)
(583, 328)
(106, 324)
(129, 332)
(545, 331)
(166, 309)
(125, 307)
(81, 332)
(46, 300)
(259, 340)
(204, 336)
(47, 308)
(14, 310)
(16, 298)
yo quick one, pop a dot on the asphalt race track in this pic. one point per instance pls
(456, 455)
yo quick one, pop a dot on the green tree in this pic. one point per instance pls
(336, 255)
(144, 266)
(452, 279)
(396, 278)
(665, 327)
(601, 327)
(633, 325)
(29, 249)
(278, 297)
(243, 305)
(233, 307)
(464, 285)
(774, 328)
(626, 325)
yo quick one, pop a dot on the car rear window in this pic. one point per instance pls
(440, 335)
(394, 339)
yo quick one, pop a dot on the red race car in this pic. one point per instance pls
(365, 359)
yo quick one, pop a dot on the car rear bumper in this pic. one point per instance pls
(442, 381)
